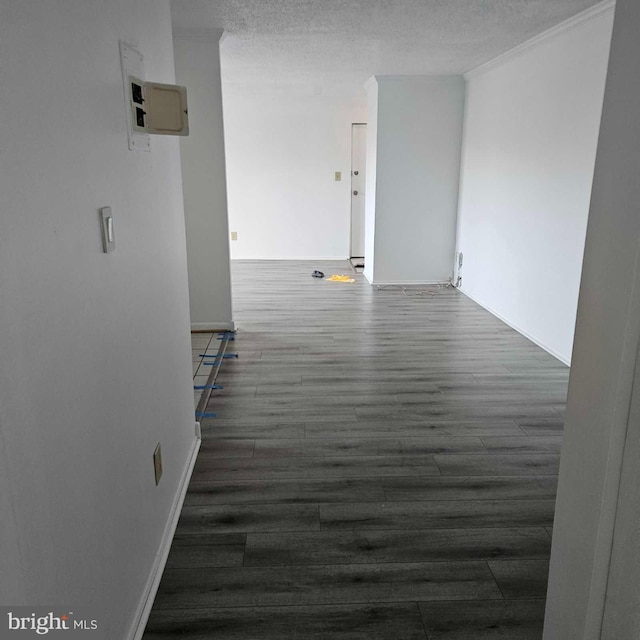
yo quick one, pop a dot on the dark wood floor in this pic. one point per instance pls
(382, 467)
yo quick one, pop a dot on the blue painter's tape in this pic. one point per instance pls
(212, 364)
(207, 414)
(207, 386)
(226, 356)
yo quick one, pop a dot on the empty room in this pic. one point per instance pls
(319, 319)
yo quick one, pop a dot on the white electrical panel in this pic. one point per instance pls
(152, 107)
(166, 109)
(133, 67)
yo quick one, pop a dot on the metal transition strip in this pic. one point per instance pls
(211, 380)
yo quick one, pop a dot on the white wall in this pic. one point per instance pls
(12, 586)
(282, 151)
(531, 129)
(94, 348)
(598, 434)
(371, 177)
(418, 139)
(197, 57)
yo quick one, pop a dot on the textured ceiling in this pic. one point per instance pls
(335, 45)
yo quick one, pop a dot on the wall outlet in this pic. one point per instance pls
(338, 176)
(234, 235)
(157, 463)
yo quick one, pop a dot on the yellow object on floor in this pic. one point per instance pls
(336, 278)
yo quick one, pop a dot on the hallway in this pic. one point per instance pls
(383, 466)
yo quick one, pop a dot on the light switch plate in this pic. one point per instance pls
(234, 235)
(108, 231)
(157, 463)
(338, 176)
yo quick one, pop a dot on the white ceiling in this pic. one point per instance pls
(336, 45)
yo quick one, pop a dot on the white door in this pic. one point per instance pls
(358, 161)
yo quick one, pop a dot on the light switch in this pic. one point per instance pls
(234, 235)
(338, 176)
(110, 238)
(108, 233)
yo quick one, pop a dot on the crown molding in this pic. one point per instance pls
(198, 34)
(578, 20)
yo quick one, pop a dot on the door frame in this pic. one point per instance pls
(353, 124)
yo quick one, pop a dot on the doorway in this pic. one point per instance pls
(358, 173)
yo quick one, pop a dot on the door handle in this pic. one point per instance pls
(355, 193)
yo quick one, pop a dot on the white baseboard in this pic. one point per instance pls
(409, 283)
(213, 326)
(149, 594)
(555, 354)
(294, 258)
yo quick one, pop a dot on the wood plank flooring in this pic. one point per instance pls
(382, 467)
